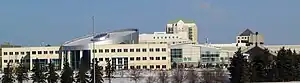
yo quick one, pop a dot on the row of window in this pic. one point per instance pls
(169, 37)
(33, 60)
(32, 52)
(130, 50)
(243, 37)
(136, 58)
(146, 67)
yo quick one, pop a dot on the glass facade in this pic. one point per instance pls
(176, 55)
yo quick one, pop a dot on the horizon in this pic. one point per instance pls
(54, 22)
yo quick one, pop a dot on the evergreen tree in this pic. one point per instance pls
(98, 74)
(109, 70)
(67, 73)
(37, 75)
(239, 68)
(22, 72)
(258, 73)
(297, 66)
(8, 77)
(52, 75)
(82, 79)
(284, 65)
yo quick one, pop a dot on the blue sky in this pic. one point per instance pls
(30, 22)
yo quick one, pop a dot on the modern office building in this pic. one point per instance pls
(121, 47)
(183, 27)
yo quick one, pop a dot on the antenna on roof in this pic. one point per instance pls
(206, 41)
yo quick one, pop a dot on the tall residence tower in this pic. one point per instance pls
(184, 28)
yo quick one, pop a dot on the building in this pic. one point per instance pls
(121, 47)
(164, 38)
(184, 28)
(249, 38)
(30, 55)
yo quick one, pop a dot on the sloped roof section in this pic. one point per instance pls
(185, 21)
(247, 32)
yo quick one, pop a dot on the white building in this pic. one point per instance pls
(164, 38)
(184, 28)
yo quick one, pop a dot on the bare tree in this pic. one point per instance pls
(136, 75)
(163, 77)
(213, 76)
(192, 76)
(219, 75)
(150, 79)
(178, 75)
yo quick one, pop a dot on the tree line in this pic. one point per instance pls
(261, 68)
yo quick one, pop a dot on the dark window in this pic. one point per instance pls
(144, 50)
(163, 58)
(5, 61)
(106, 50)
(100, 59)
(151, 58)
(138, 50)
(164, 66)
(94, 51)
(45, 52)
(56, 52)
(131, 67)
(33, 52)
(51, 52)
(132, 58)
(11, 61)
(138, 67)
(106, 59)
(16, 53)
(39, 52)
(17, 61)
(157, 66)
(22, 53)
(163, 49)
(119, 50)
(125, 50)
(144, 58)
(157, 58)
(151, 66)
(138, 58)
(5, 53)
(131, 50)
(11, 53)
(157, 49)
(100, 50)
(144, 67)
(113, 50)
(151, 49)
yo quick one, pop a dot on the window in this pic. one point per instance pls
(189, 59)
(106, 50)
(138, 58)
(51, 52)
(106, 59)
(138, 50)
(5, 53)
(100, 59)
(157, 49)
(138, 67)
(131, 50)
(11, 53)
(144, 50)
(151, 66)
(119, 50)
(22, 53)
(151, 49)
(157, 58)
(157, 66)
(5, 61)
(100, 50)
(153, 37)
(131, 67)
(113, 50)
(125, 50)
(45, 52)
(33, 52)
(164, 58)
(144, 58)
(151, 58)
(94, 51)
(11, 61)
(164, 66)
(16, 53)
(163, 49)
(17, 61)
(39, 52)
(131, 59)
(56, 52)
(144, 67)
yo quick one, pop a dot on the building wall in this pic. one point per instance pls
(181, 26)
(163, 38)
(14, 55)
(103, 52)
